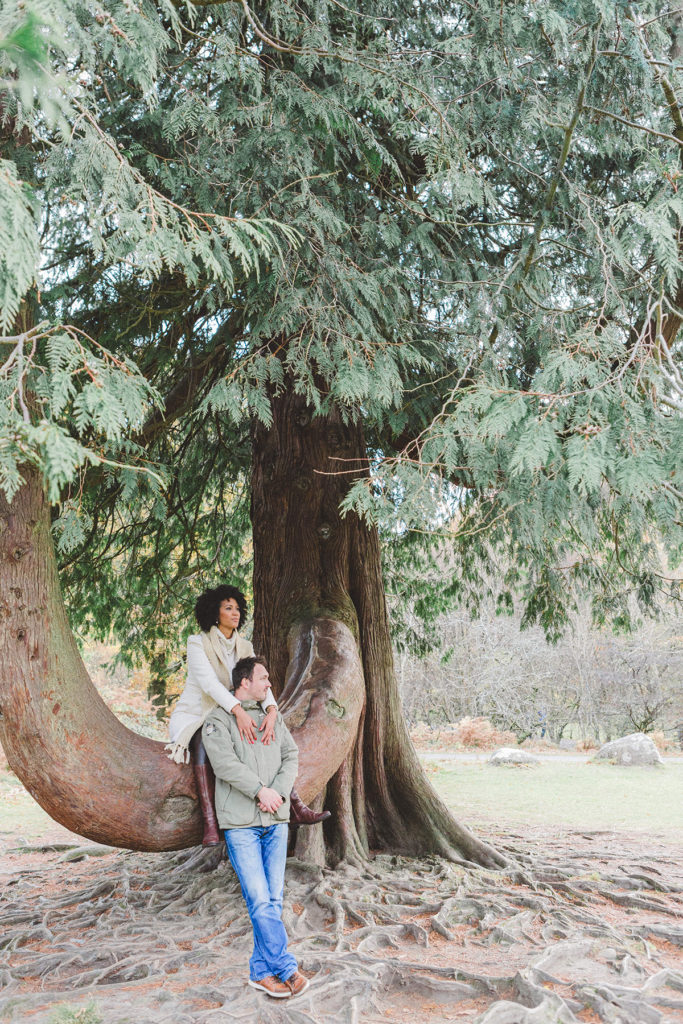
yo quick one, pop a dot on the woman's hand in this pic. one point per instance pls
(267, 726)
(245, 724)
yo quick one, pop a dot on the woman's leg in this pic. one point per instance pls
(206, 784)
(303, 815)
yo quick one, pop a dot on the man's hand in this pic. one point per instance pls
(245, 724)
(267, 726)
(268, 799)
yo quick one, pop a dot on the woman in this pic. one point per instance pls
(211, 656)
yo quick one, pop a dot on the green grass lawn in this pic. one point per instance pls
(575, 795)
(569, 794)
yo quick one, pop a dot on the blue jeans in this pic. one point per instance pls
(258, 856)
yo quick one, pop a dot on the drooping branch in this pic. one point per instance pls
(660, 328)
(180, 396)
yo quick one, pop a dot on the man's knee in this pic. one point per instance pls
(263, 907)
(257, 897)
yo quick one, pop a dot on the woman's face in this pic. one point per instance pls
(228, 615)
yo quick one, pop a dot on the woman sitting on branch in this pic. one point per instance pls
(211, 657)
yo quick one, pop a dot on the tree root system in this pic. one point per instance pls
(580, 928)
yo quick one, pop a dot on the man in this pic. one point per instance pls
(253, 782)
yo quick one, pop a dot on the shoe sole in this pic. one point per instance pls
(273, 995)
(301, 990)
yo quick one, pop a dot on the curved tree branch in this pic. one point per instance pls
(82, 765)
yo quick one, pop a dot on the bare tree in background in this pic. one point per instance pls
(591, 684)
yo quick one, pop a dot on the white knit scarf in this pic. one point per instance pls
(218, 649)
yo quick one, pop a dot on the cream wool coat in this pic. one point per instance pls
(202, 692)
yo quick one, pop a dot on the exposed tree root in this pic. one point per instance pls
(591, 933)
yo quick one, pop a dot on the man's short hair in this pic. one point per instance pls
(244, 669)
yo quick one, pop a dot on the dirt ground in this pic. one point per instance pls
(582, 926)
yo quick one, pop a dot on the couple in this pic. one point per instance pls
(255, 761)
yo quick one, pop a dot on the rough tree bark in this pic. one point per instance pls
(310, 564)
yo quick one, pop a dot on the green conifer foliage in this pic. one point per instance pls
(66, 179)
(459, 222)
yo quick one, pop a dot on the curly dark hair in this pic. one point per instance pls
(208, 604)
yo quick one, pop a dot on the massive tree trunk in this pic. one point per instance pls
(312, 565)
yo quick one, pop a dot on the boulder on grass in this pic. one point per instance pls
(509, 755)
(634, 749)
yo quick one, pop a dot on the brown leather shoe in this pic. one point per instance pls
(297, 983)
(303, 815)
(206, 782)
(272, 987)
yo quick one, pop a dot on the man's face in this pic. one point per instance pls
(259, 684)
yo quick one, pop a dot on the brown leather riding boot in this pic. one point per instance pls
(303, 815)
(206, 783)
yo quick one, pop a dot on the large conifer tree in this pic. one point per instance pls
(414, 261)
